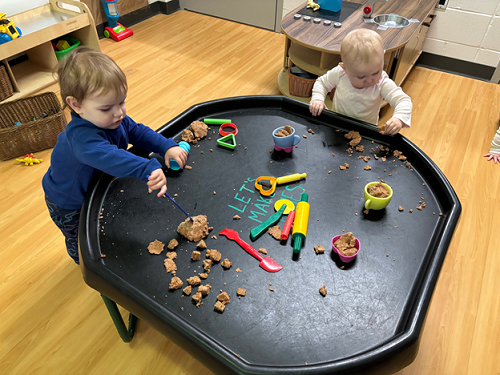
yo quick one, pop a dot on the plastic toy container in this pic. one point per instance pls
(73, 43)
(345, 258)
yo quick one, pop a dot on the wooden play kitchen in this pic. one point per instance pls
(313, 40)
(40, 27)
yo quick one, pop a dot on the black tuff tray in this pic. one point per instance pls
(375, 306)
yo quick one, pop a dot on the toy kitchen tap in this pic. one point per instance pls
(368, 8)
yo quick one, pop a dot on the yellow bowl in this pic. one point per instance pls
(374, 203)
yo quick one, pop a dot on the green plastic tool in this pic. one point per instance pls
(222, 141)
(271, 220)
(215, 121)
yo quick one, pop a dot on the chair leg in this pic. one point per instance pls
(125, 334)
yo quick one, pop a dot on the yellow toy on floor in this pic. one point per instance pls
(30, 159)
(311, 4)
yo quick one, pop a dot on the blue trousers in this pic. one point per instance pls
(67, 222)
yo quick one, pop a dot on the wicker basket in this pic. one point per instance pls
(30, 136)
(299, 86)
(6, 90)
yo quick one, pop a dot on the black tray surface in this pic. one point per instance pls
(375, 305)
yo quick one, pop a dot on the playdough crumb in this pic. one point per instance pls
(188, 167)
(367, 168)
(236, 217)
(197, 298)
(400, 208)
(187, 290)
(207, 264)
(381, 129)
(219, 306)
(170, 265)
(366, 212)
(195, 255)
(214, 255)
(204, 289)
(201, 245)
(411, 210)
(156, 247)
(175, 283)
(263, 251)
(173, 244)
(224, 298)
(238, 270)
(241, 292)
(226, 264)
(275, 232)
(323, 291)
(271, 289)
(171, 255)
(203, 275)
(187, 136)
(319, 249)
(194, 281)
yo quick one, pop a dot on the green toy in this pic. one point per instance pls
(271, 220)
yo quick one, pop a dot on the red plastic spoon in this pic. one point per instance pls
(270, 265)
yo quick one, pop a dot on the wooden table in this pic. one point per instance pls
(315, 47)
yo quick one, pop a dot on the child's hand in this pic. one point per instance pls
(316, 107)
(178, 154)
(494, 156)
(157, 180)
(393, 126)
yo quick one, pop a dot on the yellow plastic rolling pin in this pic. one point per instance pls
(299, 231)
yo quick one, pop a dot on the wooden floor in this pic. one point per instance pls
(51, 322)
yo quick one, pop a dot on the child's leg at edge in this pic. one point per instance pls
(67, 222)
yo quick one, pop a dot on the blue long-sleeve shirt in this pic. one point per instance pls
(84, 148)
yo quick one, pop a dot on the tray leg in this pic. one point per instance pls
(125, 334)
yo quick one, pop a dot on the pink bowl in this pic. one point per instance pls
(343, 258)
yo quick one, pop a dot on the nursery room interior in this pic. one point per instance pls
(418, 297)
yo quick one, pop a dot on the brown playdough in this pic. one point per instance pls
(197, 298)
(171, 255)
(172, 244)
(284, 132)
(194, 281)
(355, 138)
(200, 129)
(187, 290)
(319, 249)
(275, 232)
(170, 265)
(219, 306)
(156, 247)
(381, 129)
(204, 289)
(223, 297)
(214, 255)
(378, 191)
(194, 231)
(226, 263)
(207, 264)
(346, 244)
(201, 244)
(195, 255)
(323, 290)
(263, 251)
(241, 292)
(187, 136)
(175, 283)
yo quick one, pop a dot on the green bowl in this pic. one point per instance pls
(73, 43)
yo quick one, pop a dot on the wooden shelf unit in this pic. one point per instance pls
(39, 27)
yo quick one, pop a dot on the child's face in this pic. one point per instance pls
(105, 111)
(365, 74)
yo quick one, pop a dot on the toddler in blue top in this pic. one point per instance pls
(97, 138)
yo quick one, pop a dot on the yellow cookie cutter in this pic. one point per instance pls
(275, 181)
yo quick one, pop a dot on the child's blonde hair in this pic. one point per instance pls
(360, 45)
(86, 71)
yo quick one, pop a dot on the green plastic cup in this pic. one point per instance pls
(374, 203)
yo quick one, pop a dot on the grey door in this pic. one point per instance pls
(261, 13)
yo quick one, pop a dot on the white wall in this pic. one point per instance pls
(467, 30)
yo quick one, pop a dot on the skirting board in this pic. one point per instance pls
(455, 66)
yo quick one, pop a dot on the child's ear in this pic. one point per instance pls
(73, 104)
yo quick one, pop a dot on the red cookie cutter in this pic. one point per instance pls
(228, 125)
